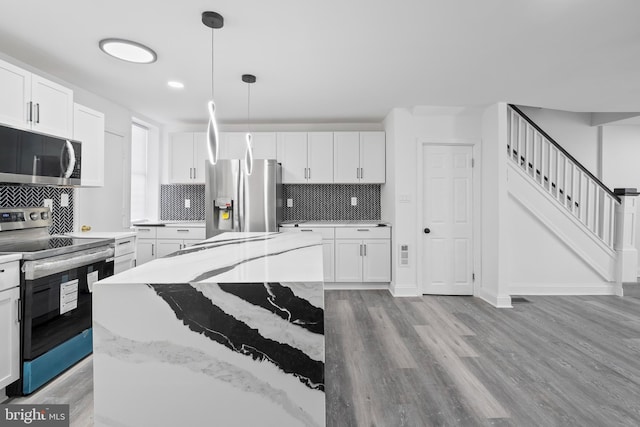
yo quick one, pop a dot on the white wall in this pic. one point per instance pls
(573, 131)
(405, 130)
(620, 162)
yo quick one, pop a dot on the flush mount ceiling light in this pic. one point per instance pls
(175, 84)
(248, 155)
(128, 50)
(214, 21)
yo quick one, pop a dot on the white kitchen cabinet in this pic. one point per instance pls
(264, 145)
(187, 156)
(359, 157)
(363, 254)
(88, 128)
(53, 107)
(145, 250)
(15, 87)
(372, 158)
(233, 145)
(348, 260)
(307, 158)
(327, 234)
(9, 323)
(156, 242)
(145, 244)
(328, 257)
(125, 254)
(34, 103)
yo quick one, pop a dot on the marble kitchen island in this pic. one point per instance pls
(229, 332)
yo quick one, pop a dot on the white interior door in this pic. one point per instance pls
(447, 224)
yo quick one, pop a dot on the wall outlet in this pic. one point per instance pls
(48, 203)
(289, 203)
(64, 200)
(187, 203)
(354, 201)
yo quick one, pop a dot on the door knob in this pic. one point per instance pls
(427, 231)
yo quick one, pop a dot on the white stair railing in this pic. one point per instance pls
(563, 177)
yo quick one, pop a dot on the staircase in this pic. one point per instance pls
(576, 210)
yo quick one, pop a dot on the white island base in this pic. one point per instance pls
(214, 353)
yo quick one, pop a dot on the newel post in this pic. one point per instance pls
(625, 238)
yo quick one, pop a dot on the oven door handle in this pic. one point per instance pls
(47, 266)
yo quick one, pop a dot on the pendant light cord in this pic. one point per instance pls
(212, 46)
(249, 107)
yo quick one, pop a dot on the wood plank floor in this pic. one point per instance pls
(457, 361)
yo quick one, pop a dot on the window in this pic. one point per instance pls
(139, 172)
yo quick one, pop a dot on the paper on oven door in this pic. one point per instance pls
(68, 296)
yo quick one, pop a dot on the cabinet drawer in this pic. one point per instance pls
(363, 233)
(9, 275)
(146, 232)
(192, 233)
(326, 232)
(125, 246)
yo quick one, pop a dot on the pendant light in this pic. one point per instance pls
(249, 79)
(214, 21)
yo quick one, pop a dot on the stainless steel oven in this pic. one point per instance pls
(57, 274)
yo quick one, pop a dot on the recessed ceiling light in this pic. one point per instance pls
(128, 50)
(176, 85)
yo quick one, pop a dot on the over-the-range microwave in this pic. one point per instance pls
(32, 158)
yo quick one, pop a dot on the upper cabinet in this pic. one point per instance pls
(88, 128)
(359, 157)
(31, 102)
(234, 144)
(306, 157)
(187, 157)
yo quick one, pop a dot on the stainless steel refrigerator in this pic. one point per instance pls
(236, 201)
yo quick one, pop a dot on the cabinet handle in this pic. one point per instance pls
(360, 250)
(361, 173)
(30, 104)
(365, 249)
(182, 230)
(363, 229)
(195, 173)
(306, 230)
(305, 173)
(358, 173)
(152, 245)
(309, 173)
(124, 243)
(38, 113)
(18, 310)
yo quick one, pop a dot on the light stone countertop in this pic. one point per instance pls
(102, 234)
(361, 224)
(10, 257)
(195, 224)
(235, 257)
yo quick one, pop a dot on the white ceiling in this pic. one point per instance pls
(338, 60)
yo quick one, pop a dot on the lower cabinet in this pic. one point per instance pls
(125, 254)
(353, 254)
(157, 242)
(9, 323)
(361, 259)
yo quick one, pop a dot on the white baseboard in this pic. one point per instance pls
(354, 286)
(404, 290)
(498, 301)
(605, 288)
